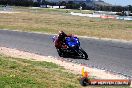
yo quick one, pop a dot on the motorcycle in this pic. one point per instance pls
(71, 48)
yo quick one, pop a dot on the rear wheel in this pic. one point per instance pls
(60, 52)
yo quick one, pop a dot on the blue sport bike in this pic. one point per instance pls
(72, 48)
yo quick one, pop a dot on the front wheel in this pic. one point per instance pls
(83, 54)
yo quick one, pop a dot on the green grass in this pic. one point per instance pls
(41, 10)
(53, 20)
(22, 73)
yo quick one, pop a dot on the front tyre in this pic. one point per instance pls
(83, 54)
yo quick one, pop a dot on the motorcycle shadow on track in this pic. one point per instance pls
(81, 54)
(74, 57)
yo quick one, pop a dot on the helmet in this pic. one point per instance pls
(61, 31)
(61, 35)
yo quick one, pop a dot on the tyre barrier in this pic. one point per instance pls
(107, 17)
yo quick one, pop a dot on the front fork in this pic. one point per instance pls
(76, 50)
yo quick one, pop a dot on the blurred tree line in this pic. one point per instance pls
(69, 5)
(114, 8)
(19, 2)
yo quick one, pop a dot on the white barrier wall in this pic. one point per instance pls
(55, 7)
(103, 16)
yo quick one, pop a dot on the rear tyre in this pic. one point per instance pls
(60, 52)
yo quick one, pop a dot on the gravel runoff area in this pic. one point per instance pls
(72, 67)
